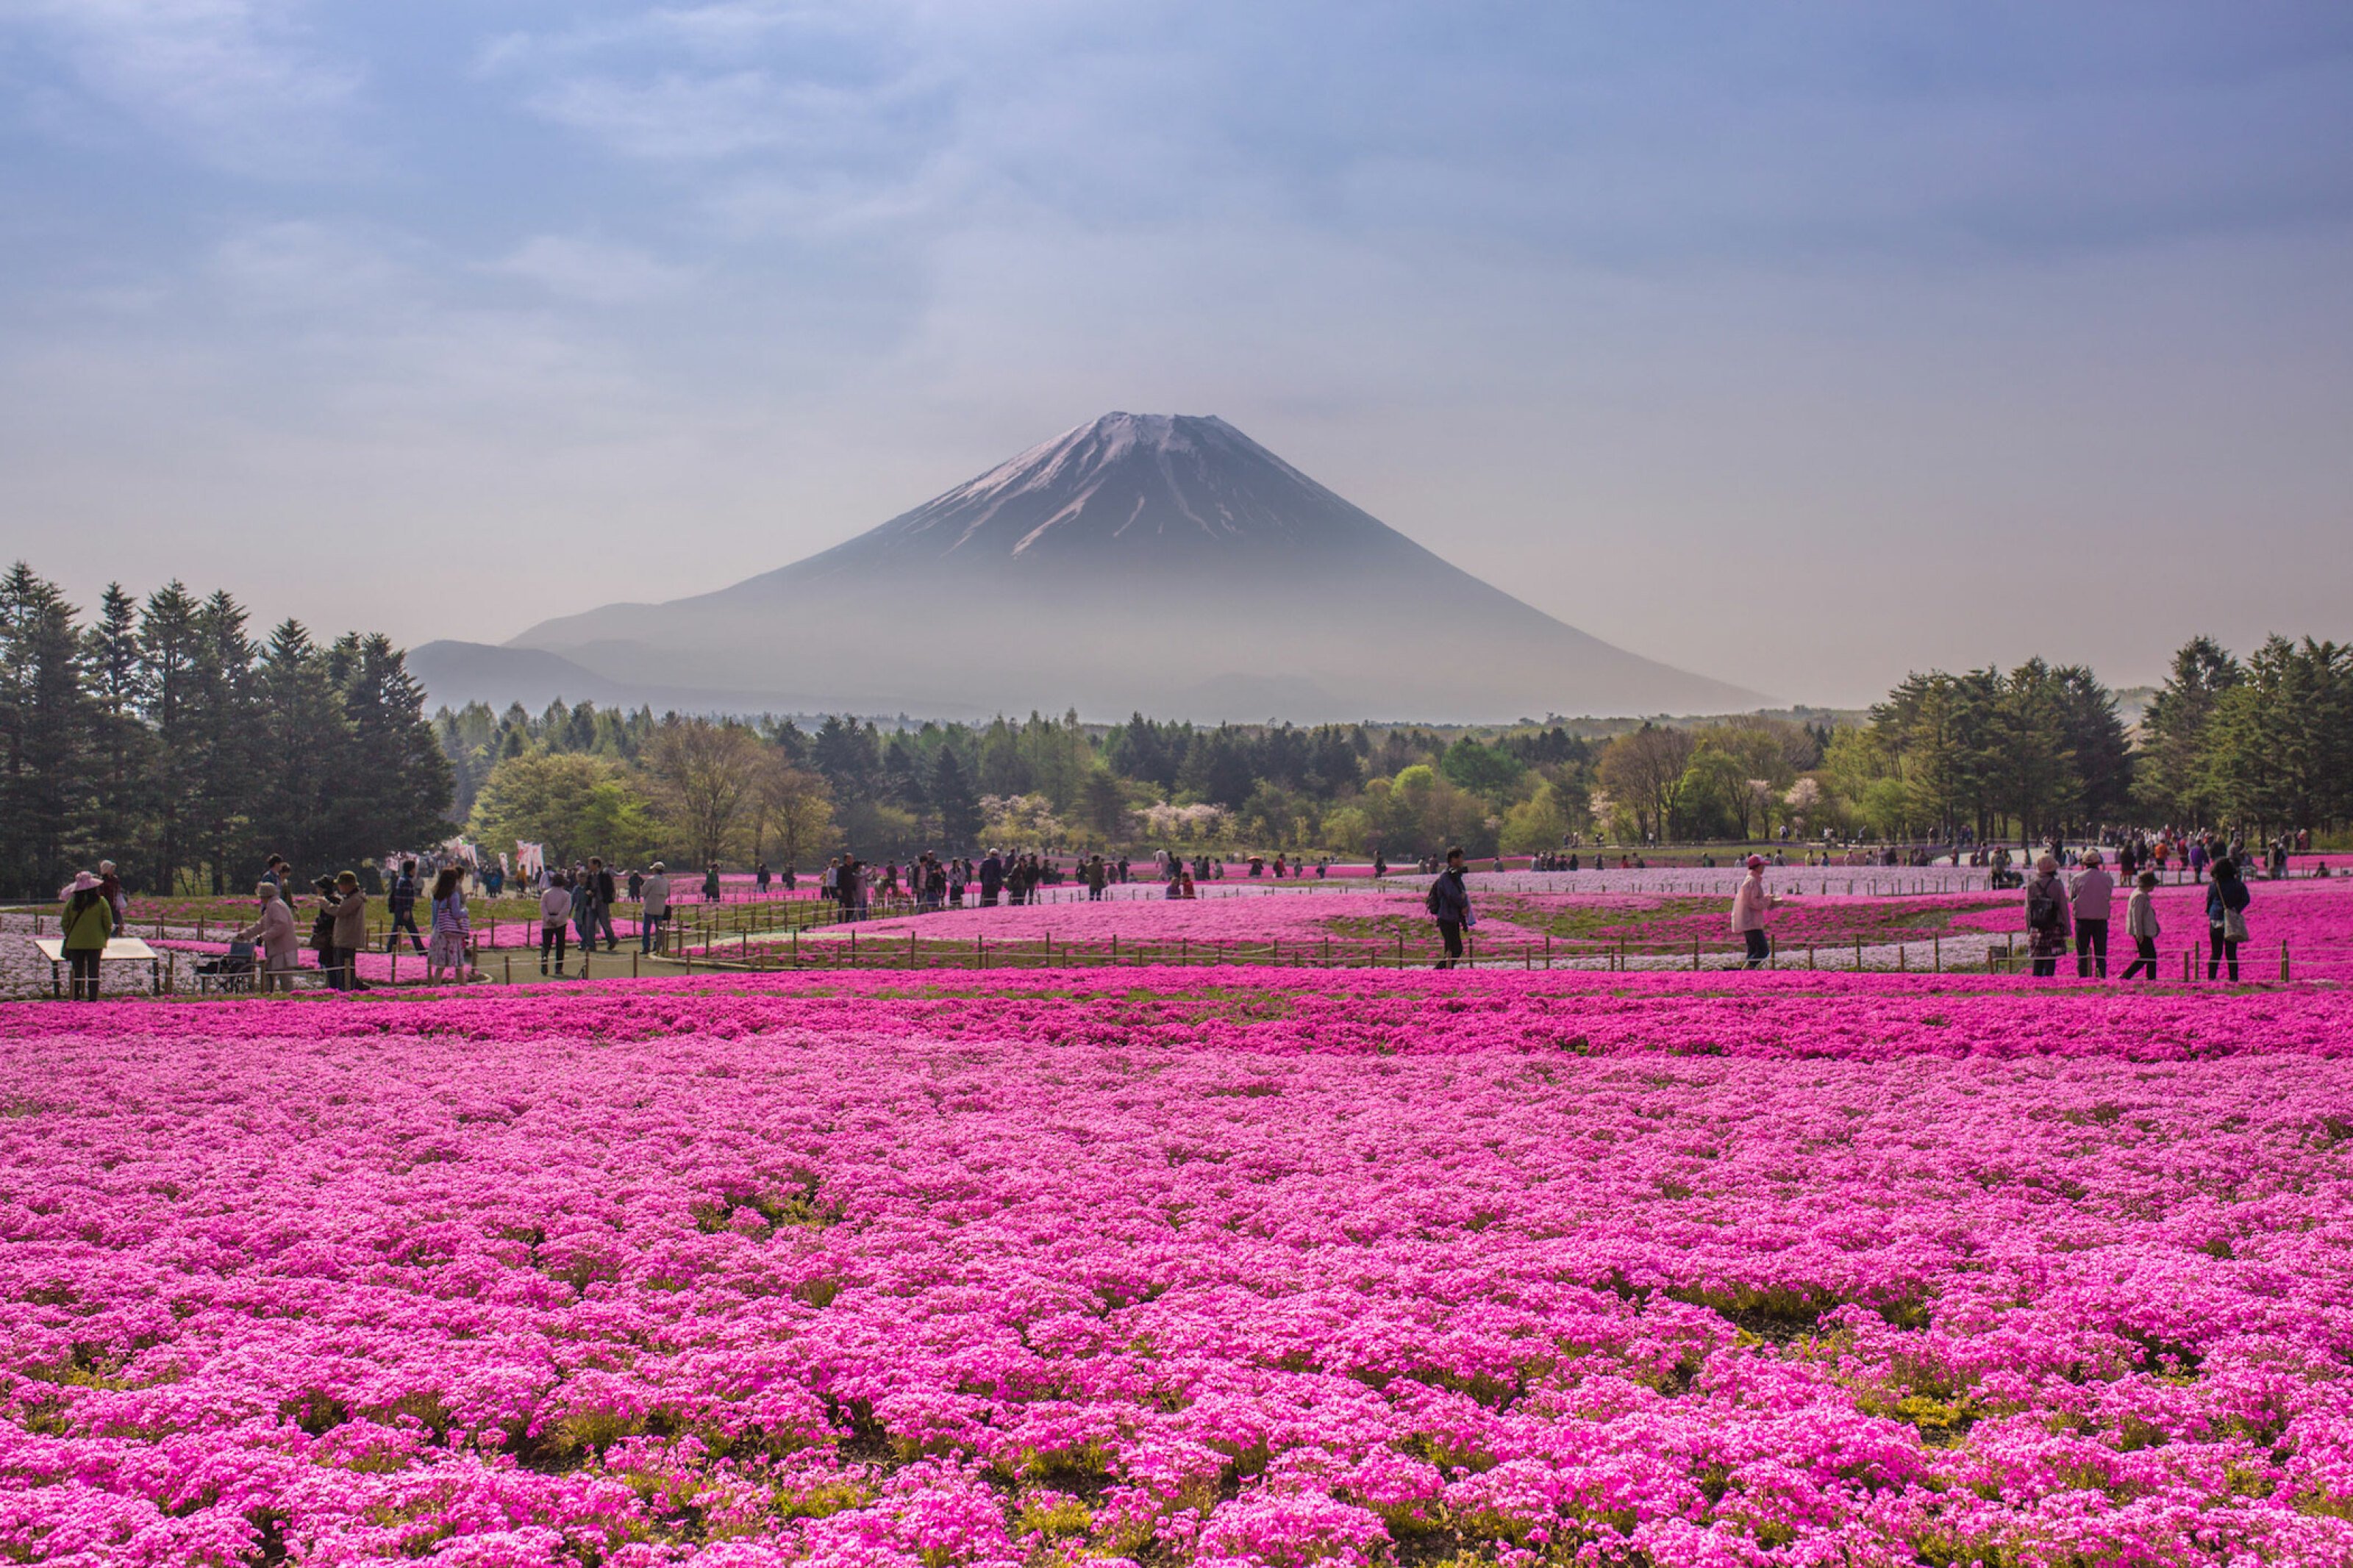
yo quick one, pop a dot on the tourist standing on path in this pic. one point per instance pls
(850, 889)
(400, 903)
(452, 932)
(1748, 907)
(2227, 898)
(88, 923)
(992, 878)
(653, 908)
(2091, 897)
(554, 912)
(351, 931)
(2140, 924)
(2047, 919)
(1096, 877)
(584, 909)
(600, 879)
(711, 884)
(273, 932)
(1450, 904)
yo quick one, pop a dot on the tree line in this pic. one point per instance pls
(2256, 746)
(1986, 754)
(160, 734)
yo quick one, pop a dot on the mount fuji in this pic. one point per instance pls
(1165, 563)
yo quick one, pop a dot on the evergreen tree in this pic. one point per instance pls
(402, 783)
(953, 798)
(168, 652)
(45, 797)
(121, 750)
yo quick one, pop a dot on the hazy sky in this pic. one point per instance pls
(1796, 344)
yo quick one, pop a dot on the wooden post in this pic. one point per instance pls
(1695, 955)
(508, 961)
(2282, 958)
(633, 963)
(1858, 955)
(1936, 941)
(2188, 965)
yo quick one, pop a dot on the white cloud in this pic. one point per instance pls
(238, 84)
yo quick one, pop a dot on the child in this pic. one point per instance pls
(2140, 924)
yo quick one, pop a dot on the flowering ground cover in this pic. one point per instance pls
(1174, 1267)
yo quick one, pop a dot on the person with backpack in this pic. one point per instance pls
(88, 924)
(1448, 903)
(2140, 924)
(2090, 899)
(2047, 917)
(400, 904)
(2227, 898)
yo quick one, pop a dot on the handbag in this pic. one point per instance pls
(2234, 926)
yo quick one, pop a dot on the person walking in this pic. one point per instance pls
(607, 893)
(400, 904)
(1750, 905)
(2227, 898)
(1448, 903)
(452, 932)
(350, 932)
(272, 933)
(2090, 898)
(653, 908)
(1096, 878)
(711, 884)
(554, 912)
(87, 925)
(2140, 924)
(2047, 919)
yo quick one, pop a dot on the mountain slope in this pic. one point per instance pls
(1161, 562)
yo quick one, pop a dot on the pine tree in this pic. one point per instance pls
(121, 750)
(168, 654)
(953, 798)
(44, 733)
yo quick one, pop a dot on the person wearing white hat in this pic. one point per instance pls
(1748, 907)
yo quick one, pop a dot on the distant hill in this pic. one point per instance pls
(1165, 563)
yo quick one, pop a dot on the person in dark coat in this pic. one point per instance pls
(1449, 906)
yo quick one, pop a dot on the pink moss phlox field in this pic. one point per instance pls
(1181, 1266)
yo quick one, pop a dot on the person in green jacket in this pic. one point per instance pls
(89, 923)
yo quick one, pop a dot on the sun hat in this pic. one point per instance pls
(83, 882)
(2091, 858)
(1756, 862)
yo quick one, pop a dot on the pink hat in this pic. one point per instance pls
(84, 882)
(1756, 862)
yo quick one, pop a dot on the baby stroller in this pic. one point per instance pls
(232, 970)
